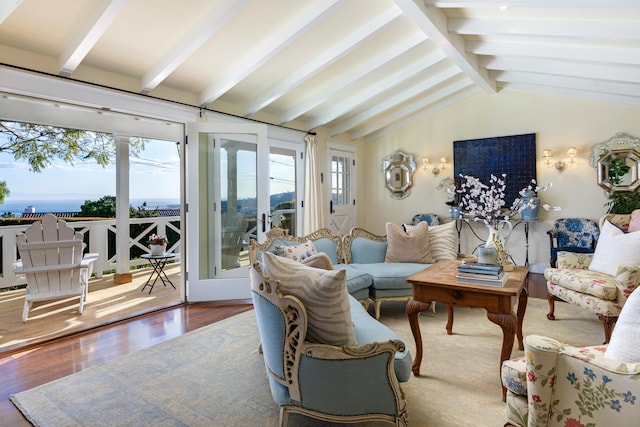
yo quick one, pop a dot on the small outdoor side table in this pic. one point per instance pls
(157, 262)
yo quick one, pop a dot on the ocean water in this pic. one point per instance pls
(19, 206)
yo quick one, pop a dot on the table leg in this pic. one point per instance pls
(157, 270)
(449, 319)
(414, 308)
(166, 278)
(508, 324)
(522, 308)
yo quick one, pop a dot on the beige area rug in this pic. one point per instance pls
(214, 376)
(106, 303)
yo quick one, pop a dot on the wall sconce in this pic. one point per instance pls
(547, 154)
(443, 161)
(425, 163)
(572, 152)
(435, 170)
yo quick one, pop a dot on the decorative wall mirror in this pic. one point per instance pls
(398, 169)
(618, 163)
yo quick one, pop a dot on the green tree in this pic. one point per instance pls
(105, 207)
(39, 144)
(4, 191)
(143, 211)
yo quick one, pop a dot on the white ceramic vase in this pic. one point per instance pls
(498, 240)
(157, 250)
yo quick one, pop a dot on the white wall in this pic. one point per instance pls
(558, 122)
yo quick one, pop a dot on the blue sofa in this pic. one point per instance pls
(365, 252)
(361, 254)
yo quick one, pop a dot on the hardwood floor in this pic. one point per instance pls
(40, 364)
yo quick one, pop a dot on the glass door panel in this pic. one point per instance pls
(341, 201)
(238, 202)
(282, 188)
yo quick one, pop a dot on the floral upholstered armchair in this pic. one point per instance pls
(599, 281)
(577, 235)
(555, 384)
(559, 385)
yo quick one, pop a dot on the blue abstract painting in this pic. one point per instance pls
(513, 155)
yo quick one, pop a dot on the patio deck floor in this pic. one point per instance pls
(106, 303)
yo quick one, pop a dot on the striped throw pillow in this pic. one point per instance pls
(324, 295)
(443, 240)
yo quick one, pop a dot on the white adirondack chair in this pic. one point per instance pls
(52, 261)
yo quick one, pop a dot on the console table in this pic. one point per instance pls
(526, 223)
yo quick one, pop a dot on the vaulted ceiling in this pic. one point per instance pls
(358, 67)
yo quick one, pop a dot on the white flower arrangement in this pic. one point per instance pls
(486, 202)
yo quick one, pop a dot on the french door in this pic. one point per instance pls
(342, 188)
(240, 181)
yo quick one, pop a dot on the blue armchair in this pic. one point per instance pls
(430, 218)
(578, 235)
(326, 382)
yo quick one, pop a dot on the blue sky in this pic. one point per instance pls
(155, 175)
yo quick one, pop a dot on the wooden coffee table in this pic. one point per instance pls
(438, 283)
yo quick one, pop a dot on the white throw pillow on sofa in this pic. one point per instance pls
(624, 345)
(614, 248)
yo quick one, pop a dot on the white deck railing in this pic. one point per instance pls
(97, 233)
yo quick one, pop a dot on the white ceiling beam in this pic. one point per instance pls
(324, 59)
(210, 23)
(7, 7)
(574, 93)
(349, 77)
(592, 85)
(567, 51)
(267, 48)
(618, 30)
(423, 102)
(397, 99)
(436, 106)
(93, 28)
(434, 24)
(381, 85)
(587, 70)
(535, 4)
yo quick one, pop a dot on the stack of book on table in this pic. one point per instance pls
(482, 274)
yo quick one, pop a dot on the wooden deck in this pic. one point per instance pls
(106, 303)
